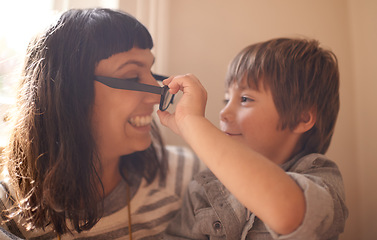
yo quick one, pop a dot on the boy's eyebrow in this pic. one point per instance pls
(251, 89)
(242, 86)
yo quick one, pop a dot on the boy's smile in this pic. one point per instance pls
(233, 134)
(250, 116)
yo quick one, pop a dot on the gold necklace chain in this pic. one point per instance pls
(129, 210)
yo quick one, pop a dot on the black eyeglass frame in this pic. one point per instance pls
(133, 85)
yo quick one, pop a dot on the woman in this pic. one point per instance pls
(85, 158)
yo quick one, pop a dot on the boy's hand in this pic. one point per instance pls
(192, 103)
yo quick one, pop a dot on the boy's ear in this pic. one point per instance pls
(308, 119)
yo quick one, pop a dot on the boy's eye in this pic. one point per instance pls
(246, 99)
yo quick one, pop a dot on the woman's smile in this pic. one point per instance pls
(140, 121)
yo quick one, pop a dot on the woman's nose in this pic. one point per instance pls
(150, 80)
(152, 97)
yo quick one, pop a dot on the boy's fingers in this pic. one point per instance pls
(162, 116)
(180, 82)
(168, 80)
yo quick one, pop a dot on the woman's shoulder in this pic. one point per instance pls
(179, 156)
(6, 193)
(174, 150)
(9, 227)
(183, 166)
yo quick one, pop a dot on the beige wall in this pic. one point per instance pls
(202, 36)
(363, 26)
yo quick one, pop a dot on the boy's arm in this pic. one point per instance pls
(261, 185)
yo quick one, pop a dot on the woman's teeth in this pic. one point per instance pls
(140, 121)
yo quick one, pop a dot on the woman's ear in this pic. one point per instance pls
(308, 119)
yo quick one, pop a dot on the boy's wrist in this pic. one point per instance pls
(191, 127)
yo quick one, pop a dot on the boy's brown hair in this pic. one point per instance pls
(301, 76)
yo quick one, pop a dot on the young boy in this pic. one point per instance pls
(270, 178)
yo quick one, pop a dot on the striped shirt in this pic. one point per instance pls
(153, 206)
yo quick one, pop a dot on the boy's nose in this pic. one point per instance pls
(226, 114)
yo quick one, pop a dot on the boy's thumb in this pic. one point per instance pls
(164, 117)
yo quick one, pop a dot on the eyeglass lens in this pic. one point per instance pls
(166, 99)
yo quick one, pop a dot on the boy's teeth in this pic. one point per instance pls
(140, 121)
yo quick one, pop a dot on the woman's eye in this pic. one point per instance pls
(135, 79)
(225, 101)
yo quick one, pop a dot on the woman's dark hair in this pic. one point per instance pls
(302, 77)
(52, 158)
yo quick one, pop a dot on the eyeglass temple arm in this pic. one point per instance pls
(159, 77)
(129, 85)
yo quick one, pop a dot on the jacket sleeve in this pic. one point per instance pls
(322, 185)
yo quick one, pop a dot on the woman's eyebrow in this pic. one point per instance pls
(136, 62)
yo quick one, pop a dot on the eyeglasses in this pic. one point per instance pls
(132, 84)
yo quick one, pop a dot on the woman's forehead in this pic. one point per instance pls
(118, 61)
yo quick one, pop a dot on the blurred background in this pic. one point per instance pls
(202, 36)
